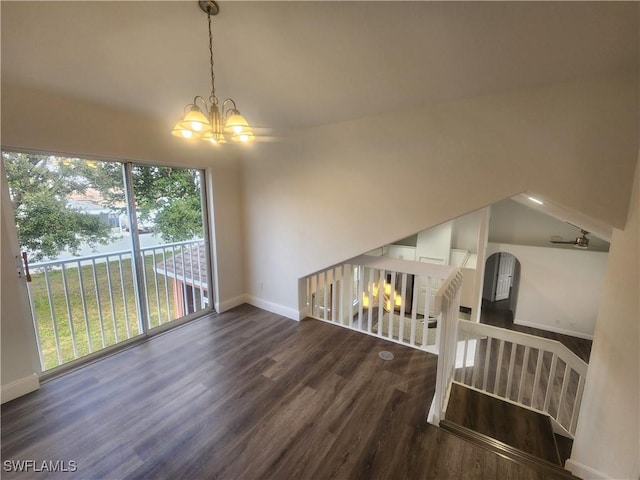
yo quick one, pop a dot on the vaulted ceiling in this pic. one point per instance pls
(300, 64)
(518, 223)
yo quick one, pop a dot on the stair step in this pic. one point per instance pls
(564, 448)
(547, 469)
(518, 427)
(518, 433)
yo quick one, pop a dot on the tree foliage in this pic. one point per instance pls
(170, 197)
(47, 222)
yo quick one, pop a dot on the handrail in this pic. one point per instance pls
(447, 291)
(403, 266)
(495, 368)
(533, 341)
(53, 263)
(381, 296)
(447, 306)
(89, 303)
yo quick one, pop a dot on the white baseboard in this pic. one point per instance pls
(230, 303)
(584, 472)
(19, 388)
(551, 328)
(305, 312)
(272, 307)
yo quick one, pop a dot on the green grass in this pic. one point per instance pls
(118, 323)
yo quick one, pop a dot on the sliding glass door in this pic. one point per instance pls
(113, 250)
(173, 245)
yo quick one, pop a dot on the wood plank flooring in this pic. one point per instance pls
(499, 315)
(523, 429)
(246, 395)
(494, 374)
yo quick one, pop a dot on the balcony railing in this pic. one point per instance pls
(86, 304)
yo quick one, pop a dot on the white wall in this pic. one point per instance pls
(467, 235)
(401, 252)
(226, 208)
(321, 197)
(607, 443)
(464, 235)
(559, 289)
(435, 243)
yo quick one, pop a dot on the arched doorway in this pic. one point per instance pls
(500, 289)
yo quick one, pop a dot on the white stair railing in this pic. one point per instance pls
(447, 308)
(381, 296)
(533, 372)
(417, 304)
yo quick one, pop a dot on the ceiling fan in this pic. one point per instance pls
(580, 242)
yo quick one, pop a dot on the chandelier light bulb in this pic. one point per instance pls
(244, 137)
(236, 123)
(194, 120)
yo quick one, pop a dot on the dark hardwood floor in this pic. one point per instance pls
(518, 427)
(247, 395)
(499, 315)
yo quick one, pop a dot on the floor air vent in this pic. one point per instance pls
(386, 355)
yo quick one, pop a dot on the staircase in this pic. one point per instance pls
(503, 390)
(509, 392)
(523, 435)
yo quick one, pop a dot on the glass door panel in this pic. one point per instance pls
(173, 244)
(82, 291)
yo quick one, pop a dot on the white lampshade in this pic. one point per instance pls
(195, 121)
(181, 132)
(236, 123)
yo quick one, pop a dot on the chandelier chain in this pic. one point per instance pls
(213, 99)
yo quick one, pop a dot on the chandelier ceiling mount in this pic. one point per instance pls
(210, 7)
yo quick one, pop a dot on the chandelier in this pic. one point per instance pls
(213, 121)
(391, 299)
